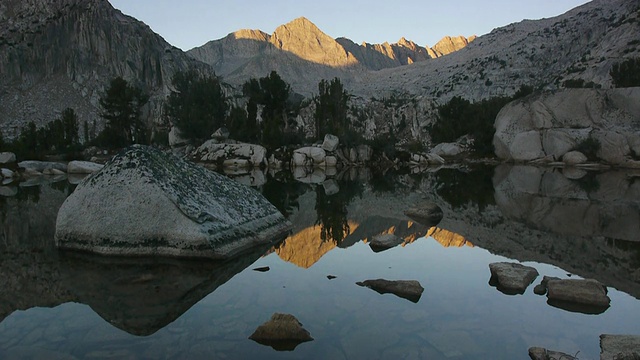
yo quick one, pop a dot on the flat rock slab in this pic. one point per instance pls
(406, 289)
(283, 332)
(83, 167)
(428, 214)
(145, 202)
(619, 347)
(511, 278)
(41, 166)
(577, 295)
(384, 241)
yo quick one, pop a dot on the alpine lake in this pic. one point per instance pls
(567, 223)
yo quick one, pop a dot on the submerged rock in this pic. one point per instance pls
(511, 278)
(428, 214)
(384, 241)
(538, 353)
(146, 202)
(619, 347)
(406, 289)
(585, 296)
(283, 332)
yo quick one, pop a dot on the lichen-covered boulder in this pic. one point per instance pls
(145, 202)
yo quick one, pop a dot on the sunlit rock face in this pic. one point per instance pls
(143, 203)
(449, 44)
(553, 124)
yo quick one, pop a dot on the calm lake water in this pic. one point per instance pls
(564, 223)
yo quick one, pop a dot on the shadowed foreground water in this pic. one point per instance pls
(64, 305)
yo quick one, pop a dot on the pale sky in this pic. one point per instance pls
(190, 23)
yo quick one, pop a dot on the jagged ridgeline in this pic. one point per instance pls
(62, 54)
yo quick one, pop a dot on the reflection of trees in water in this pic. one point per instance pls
(284, 192)
(332, 212)
(30, 193)
(461, 188)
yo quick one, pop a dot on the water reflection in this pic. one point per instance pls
(585, 224)
(137, 295)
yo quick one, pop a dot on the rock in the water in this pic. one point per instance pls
(511, 278)
(406, 289)
(40, 166)
(428, 214)
(538, 353)
(283, 332)
(330, 143)
(143, 203)
(619, 347)
(384, 241)
(83, 167)
(574, 158)
(541, 288)
(7, 158)
(585, 296)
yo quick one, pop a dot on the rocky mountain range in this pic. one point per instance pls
(59, 54)
(304, 55)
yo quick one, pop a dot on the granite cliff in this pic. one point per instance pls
(59, 54)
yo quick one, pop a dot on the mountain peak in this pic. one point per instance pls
(304, 39)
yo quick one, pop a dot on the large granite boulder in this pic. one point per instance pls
(308, 156)
(554, 123)
(146, 202)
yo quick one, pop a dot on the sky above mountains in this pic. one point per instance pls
(190, 23)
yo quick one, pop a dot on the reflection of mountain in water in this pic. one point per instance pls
(136, 295)
(364, 218)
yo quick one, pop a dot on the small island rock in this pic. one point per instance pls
(283, 332)
(384, 241)
(406, 289)
(512, 278)
(586, 292)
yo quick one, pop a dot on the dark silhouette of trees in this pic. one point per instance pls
(626, 73)
(58, 136)
(197, 106)
(331, 109)
(122, 108)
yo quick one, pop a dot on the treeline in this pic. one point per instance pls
(198, 106)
